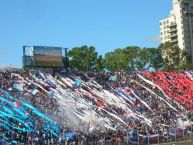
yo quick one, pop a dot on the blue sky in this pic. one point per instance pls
(105, 24)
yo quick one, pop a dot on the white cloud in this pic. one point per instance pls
(155, 39)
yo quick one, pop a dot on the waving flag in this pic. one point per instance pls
(17, 104)
(18, 86)
(20, 113)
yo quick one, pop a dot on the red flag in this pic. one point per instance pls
(17, 104)
(89, 125)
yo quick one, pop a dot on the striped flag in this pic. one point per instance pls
(88, 126)
(17, 104)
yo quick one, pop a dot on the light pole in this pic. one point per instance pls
(66, 60)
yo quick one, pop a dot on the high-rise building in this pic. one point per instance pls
(177, 28)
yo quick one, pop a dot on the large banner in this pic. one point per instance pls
(47, 56)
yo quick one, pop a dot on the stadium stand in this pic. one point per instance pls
(41, 107)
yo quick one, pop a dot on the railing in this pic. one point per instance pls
(173, 25)
(176, 135)
(173, 35)
(172, 136)
(190, 12)
(174, 40)
(173, 30)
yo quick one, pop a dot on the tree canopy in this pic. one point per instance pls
(83, 58)
(167, 56)
(175, 58)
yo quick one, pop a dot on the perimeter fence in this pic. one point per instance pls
(171, 136)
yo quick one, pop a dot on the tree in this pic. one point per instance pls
(156, 60)
(171, 56)
(143, 58)
(100, 63)
(83, 58)
(132, 58)
(131, 53)
(186, 60)
(168, 56)
(115, 60)
(174, 57)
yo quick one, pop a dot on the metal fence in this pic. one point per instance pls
(172, 135)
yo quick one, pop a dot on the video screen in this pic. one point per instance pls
(47, 56)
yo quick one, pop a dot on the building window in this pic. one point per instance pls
(186, 5)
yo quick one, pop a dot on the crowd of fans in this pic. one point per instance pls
(132, 105)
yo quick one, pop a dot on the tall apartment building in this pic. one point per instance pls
(177, 28)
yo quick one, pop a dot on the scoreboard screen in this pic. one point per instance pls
(44, 56)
